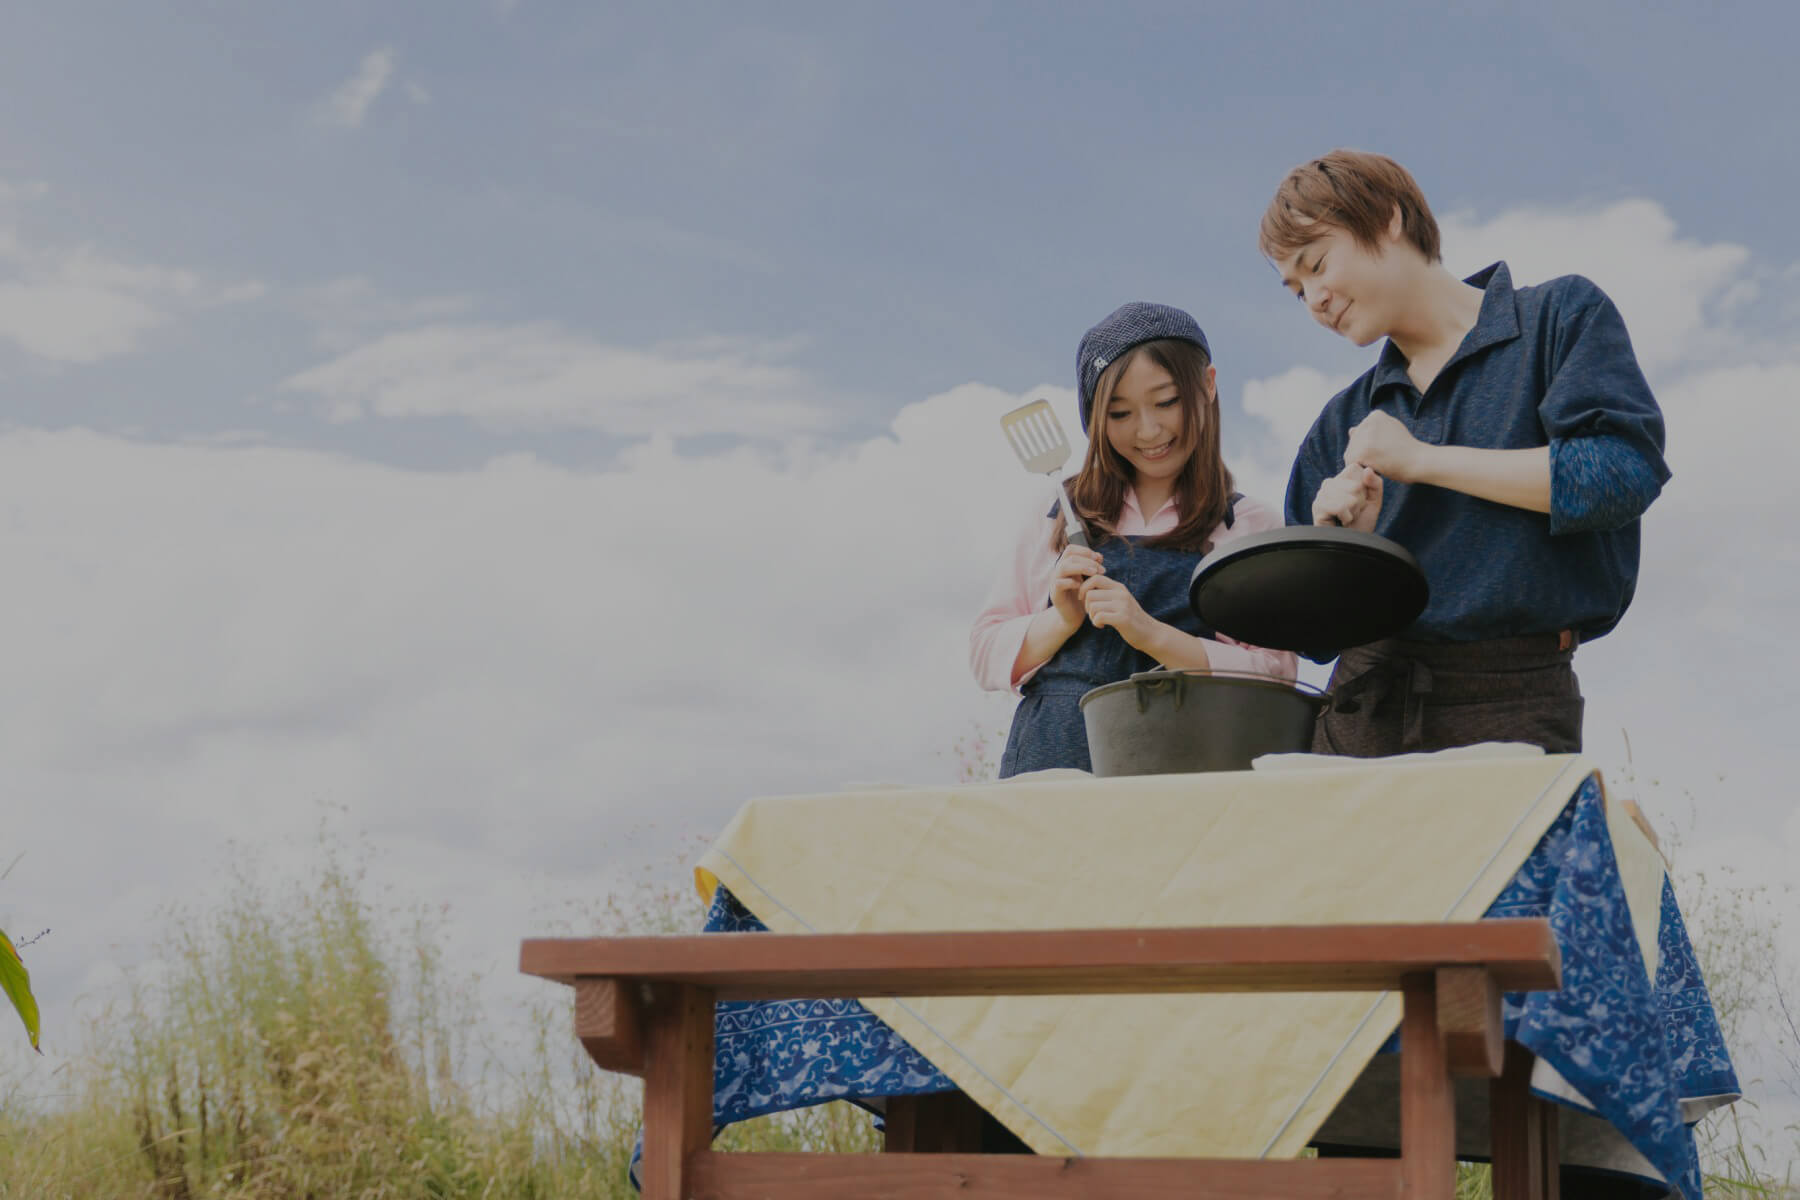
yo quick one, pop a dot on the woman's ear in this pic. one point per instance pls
(1212, 382)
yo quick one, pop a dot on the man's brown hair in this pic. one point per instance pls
(1350, 190)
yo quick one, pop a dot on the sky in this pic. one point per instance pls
(518, 433)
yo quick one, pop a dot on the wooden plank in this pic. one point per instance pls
(609, 1022)
(1468, 1015)
(678, 1088)
(1427, 1102)
(1520, 954)
(1030, 1177)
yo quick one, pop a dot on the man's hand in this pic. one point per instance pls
(1351, 498)
(1381, 442)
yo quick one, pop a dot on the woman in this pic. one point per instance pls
(1154, 496)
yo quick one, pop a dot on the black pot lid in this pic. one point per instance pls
(1318, 589)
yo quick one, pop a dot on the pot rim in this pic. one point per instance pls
(1194, 677)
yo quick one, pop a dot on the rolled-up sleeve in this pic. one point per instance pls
(1605, 428)
(1598, 483)
(1229, 654)
(1019, 592)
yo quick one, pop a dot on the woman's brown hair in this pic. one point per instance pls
(1202, 490)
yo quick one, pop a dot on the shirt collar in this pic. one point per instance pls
(1131, 502)
(1497, 322)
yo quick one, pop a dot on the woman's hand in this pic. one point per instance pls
(1077, 565)
(1351, 498)
(1110, 605)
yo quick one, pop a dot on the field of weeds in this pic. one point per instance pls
(300, 1047)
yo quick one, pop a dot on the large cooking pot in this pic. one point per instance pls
(1314, 589)
(1166, 722)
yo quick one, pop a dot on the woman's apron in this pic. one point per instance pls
(1047, 728)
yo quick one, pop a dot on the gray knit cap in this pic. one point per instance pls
(1128, 325)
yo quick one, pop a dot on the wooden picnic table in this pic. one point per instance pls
(645, 1006)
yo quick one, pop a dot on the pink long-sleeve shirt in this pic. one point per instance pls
(1023, 590)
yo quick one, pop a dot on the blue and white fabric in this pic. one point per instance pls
(1648, 1057)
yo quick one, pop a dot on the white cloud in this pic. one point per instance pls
(1673, 292)
(349, 103)
(541, 376)
(501, 673)
(73, 324)
(1290, 402)
(1282, 409)
(347, 311)
(79, 304)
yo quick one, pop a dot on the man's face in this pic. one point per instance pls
(1348, 288)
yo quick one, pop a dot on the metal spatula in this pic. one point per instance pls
(1037, 438)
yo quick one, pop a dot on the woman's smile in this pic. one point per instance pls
(1157, 451)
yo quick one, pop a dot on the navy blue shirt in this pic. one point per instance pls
(1549, 365)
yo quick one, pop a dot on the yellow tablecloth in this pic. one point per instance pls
(1226, 1075)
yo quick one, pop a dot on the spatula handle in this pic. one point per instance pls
(1071, 522)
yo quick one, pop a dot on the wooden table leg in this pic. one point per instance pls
(937, 1123)
(900, 1125)
(961, 1122)
(1427, 1103)
(1546, 1118)
(678, 1087)
(1523, 1130)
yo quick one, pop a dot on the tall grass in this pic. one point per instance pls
(301, 1045)
(1753, 989)
(297, 1047)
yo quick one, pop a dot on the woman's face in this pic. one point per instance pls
(1144, 419)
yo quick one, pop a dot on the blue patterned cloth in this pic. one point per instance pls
(1635, 1051)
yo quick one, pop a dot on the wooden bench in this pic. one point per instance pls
(644, 1006)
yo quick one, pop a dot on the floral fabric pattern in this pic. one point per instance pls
(1635, 1050)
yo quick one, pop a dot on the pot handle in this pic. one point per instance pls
(1147, 683)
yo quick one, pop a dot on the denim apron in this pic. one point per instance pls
(1047, 727)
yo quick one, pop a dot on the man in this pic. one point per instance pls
(1505, 436)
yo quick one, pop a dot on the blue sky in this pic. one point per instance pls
(521, 432)
(894, 199)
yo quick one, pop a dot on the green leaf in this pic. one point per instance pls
(15, 980)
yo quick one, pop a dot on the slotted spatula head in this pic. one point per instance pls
(1037, 437)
